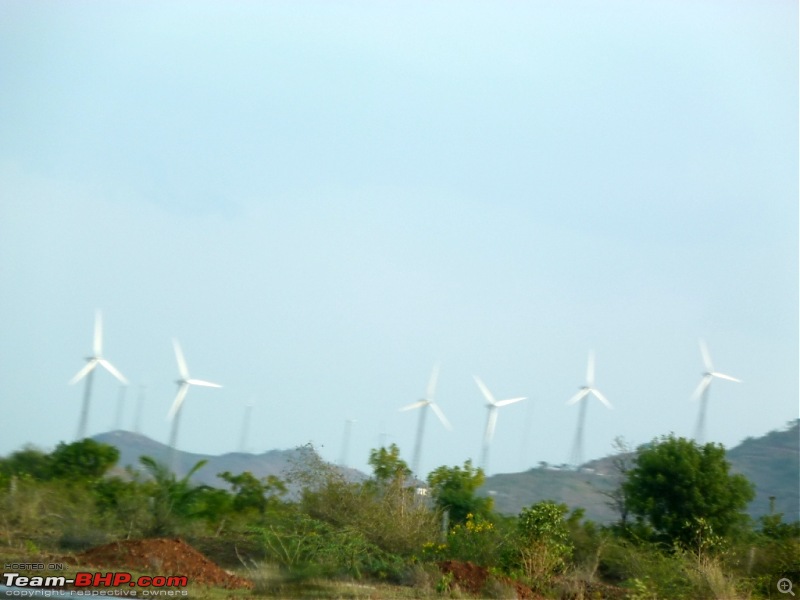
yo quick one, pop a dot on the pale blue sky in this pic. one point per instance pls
(320, 200)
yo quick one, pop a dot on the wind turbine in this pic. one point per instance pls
(88, 372)
(137, 424)
(184, 383)
(248, 411)
(491, 418)
(348, 426)
(576, 458)
(424, 404)
(702, 391)
(120, 407)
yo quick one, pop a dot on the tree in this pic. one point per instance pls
(621, 463)
(84, 461)
(252, 493)
(679, 488)
(454, 490)
(29, 462)
(387, 465)
(173, 500)
(544, 543)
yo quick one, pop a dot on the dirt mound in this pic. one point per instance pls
(161, 556)
(473, 578)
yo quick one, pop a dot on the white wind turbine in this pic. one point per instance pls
(491, 419)
(702, 391)
(88, 372)
(424, 404)
(183, 387)
(576, 457)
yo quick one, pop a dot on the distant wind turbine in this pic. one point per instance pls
(248, 411)
(88, 372)
(576, 458)
(491, 419)
(348, 427)
(120, 407)
(424, 404)
(137, 424)
(702, 391)
(183, 387)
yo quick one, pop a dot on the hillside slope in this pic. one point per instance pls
(770, 462)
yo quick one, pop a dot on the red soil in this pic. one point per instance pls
(161, 556)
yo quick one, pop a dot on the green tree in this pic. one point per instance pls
(387, 466)
(676, 486)
(544, 541)
(251, 493)
(173, 500)
(83, 461)
(29, 462)
(454, 489)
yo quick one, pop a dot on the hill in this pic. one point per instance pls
(132, 445)
(770, 462)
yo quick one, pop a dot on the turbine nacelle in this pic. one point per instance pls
(97, 357)
(492, 405)
(589, 389)
(428, 400)
(709, 374)
(184, 382)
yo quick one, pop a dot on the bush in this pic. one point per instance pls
(543, 542)
(477, 540)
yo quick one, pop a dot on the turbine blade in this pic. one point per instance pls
(723, 376)
(486, 393)
(419, 404)
(509, 401)
(431, 390)
(438, 412)
(579, 396)
(97, 346)
(84, 371)
(111, 369)
(182, 368)
(706, 357)
(179, 398)
(602, 399)
(491, 424)
(590, 370)
(203, 383)
(704, 383)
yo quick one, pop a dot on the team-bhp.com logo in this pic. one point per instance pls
(104, 580)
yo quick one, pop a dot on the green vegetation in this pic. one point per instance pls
(678, 489)
(682, 531)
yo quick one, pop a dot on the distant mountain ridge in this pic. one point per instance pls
(133, 445)
(771, 462)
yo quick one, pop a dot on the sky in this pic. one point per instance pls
(322, 200)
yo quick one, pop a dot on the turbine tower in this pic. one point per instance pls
(424, 404)
(702, 391)
(120, 407)
(491, 419)
(348, 429)
(184, 383)
(88, 372)
(576, 457)
(248, 411)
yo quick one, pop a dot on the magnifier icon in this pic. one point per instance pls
(785, 586)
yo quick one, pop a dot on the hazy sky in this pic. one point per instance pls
(321, 200)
